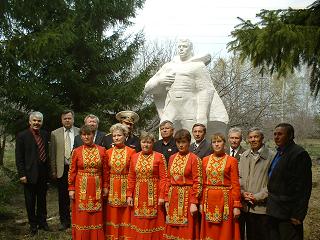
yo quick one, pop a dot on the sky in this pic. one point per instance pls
(207, 23)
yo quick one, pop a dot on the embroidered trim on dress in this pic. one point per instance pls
(118, 163)
(175, 237)
(179, 215)
(144, 175)
(148, 230)
(215, 170)
(91, 227)
(178, 166)
(91, 165)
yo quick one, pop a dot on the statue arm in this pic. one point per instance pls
(162, 79)
(205, 92)
(158, 88)
(152, 82)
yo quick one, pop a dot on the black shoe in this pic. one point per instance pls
(64, 227)
(44, 227)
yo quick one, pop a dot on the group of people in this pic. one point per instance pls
(124, 187)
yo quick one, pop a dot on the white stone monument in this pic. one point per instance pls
(183, 92)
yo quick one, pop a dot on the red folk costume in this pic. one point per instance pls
(221, 193)
(87, 176)
(147, 180)
(117, 212)
(184, 186)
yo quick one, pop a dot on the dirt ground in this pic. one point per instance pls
(13, 222)
(312, 221)
(13, 216)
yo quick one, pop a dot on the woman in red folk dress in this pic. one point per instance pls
(183, 190)
(146, 185)
(87, 185)
(117, 212)
(221, 194)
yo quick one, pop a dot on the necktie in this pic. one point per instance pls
(41, 148)
(67, 145)
(233, 153)
(195, 148)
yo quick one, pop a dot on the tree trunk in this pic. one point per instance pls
(2, 148)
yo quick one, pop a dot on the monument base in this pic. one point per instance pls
(215, 127)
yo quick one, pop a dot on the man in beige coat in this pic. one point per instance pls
(62, 140)
(254, 165)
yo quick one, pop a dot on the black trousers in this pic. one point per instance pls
(242, 224)
(63, 197)
(256, 226)
(36, 202)
(284, 230)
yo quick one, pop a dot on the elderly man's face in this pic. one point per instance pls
(67, 120)
(128, 124)
(255, 140)
(234, 140)
(184, 50)
(35, 123)
(280, 136)
(166, 131)
(92, 122)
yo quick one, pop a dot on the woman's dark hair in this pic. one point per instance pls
(182, 134)
(85, 129)
(217, 136)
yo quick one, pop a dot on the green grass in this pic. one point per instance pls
(12, 206)
(9, 158)
(312, 146)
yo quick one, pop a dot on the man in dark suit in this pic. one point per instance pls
(289, 187)
(32, 160)
(127, 118)
(235, 138)
(201, 147)
(166, 145)
(92, 121)
(60, 153)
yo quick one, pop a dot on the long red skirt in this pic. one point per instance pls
(86, 225)
(148, 228)
(117, 224)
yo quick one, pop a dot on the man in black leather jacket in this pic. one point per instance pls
(289, 187)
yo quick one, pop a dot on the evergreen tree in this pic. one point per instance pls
(282, 41)
(71, 54)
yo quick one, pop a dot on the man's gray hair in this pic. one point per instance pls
(35, 114)
(256, 129)
(91, 116)
(235, 130)
(166, 122)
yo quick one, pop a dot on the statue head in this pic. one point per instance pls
(185, 49)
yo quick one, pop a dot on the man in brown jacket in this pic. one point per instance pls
(253, 166)
(62, 140)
